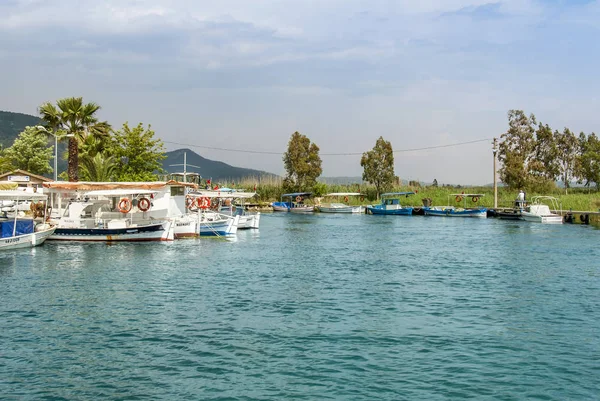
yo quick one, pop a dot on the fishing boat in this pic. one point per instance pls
(390, 205)
(453, 211)
(204, 207)
(111, 216)
(339, 207)
(295, 204)
(539, 211)
(18, 230)
(232, 203)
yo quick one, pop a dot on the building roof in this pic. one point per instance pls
(23, 172)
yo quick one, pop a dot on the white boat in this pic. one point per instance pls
(18, 231)
(231, 202)
(538, 211)
(204, 206)
(152, 203)
(339, 207)
(108, 215)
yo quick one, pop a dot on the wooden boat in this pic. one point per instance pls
(296, 202)
(19, 231)
(390, 205)
(339, 207)
(453, 211)
(539, 211)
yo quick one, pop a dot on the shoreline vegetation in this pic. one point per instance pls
(578, 199)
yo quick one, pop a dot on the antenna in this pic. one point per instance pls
(184, 166)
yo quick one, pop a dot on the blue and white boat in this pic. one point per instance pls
(453, 211)
(390, 205)
(16, 229)
(295, 204)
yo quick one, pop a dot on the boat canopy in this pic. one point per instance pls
(100, 186)
(296, 194)
(119, 192)
(220, 194)
(344, 194)
(392, 194)
(21, 195)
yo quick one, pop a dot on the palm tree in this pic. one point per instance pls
(76, 118)
(98, 168)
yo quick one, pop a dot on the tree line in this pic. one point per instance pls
(96, 151)
(534, 156)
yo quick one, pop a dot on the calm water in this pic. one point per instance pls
(311, 307)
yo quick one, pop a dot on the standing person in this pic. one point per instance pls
(521, 199)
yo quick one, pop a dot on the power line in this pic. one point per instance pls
(326, 154)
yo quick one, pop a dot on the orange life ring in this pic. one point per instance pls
(125, 205)
(475, 199)
(345, 199)
(189, 202)
(144, 204)
(298, 198)
(459, 198)
(203, 203)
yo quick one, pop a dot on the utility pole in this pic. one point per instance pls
(495, 149)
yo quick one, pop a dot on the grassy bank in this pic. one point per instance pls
(270, 190)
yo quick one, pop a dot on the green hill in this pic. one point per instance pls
(208, 168)
(11, 125)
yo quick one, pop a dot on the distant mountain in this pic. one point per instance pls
(11, 125)
(208, 168)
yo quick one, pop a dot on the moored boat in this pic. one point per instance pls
(539, 211)
(390, 205)
(296, 202)
(339, 207)
(22, 231)
(453, 211)
(109, 216)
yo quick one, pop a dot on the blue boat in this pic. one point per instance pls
(390, 205)
(295, 204)
(453, 211)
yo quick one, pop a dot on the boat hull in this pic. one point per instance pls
(344, 209)
(218, 228)
(26, 240)
(534, 218)
(150, 232)
(302, 209)
(404, 211)
(451, 212)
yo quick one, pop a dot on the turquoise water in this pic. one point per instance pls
(310, 307)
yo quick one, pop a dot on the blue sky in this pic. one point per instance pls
(247, 74)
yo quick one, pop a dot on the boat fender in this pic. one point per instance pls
(144, 204)
(125, 205)
(475, 199)
(459, 198)
(298, 198)
(345, 199)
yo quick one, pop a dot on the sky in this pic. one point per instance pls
(245, 75)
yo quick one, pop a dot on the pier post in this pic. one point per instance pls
(495, 149)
